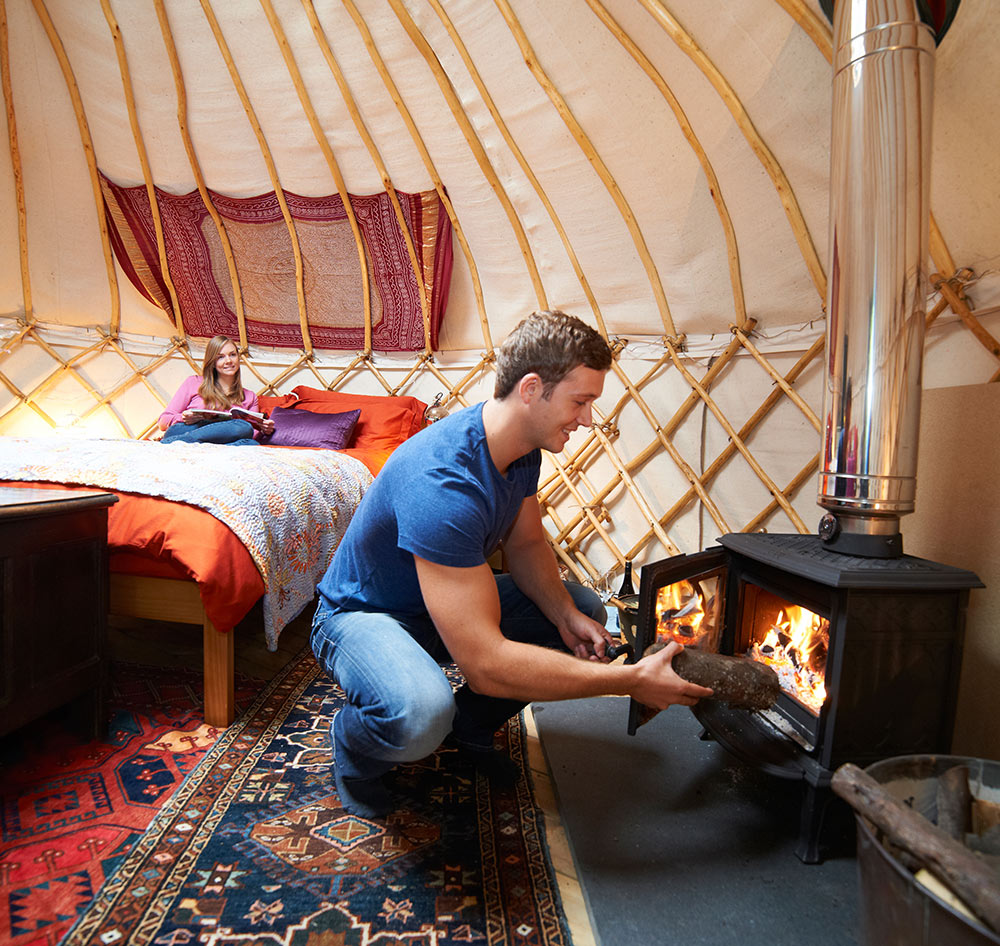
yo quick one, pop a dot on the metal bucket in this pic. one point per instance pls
(628, 617)
(895, 909)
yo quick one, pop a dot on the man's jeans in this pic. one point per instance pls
(400, 705)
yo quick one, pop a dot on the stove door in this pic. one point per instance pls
(683, 599)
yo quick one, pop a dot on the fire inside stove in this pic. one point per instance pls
(793, 641)
(687, 612)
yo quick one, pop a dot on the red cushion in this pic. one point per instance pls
(385, 421)
(268, 403)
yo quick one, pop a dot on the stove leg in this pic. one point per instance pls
(813, 810)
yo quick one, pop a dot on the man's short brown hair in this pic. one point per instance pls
(550, 344)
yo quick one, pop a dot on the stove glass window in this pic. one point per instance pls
(688, 611)
(790, 639)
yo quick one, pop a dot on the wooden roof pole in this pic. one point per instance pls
(369, 142)
(817, 28)
(88, 152)
(140, 146)
(15, 161)
(475, 146)
(199, 177)
(324, 146)
(531, 60)
(271, 169)
(526, 168)
(714, 188)
(411, 127)
(785, 193)
(952, 292)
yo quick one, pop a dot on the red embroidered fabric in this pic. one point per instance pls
(265, 263)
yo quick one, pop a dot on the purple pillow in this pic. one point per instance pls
(297, 428)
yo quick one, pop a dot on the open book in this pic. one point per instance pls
(238, 413)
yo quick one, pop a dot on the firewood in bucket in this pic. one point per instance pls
(739, 681)
(963, 872)
(954, 802)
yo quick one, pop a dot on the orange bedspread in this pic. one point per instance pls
(156, 537)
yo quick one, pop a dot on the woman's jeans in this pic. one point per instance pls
(400, 705)
(237, 433)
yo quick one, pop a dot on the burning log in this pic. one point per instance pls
(963, 872)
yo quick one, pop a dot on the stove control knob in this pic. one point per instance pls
(828, 527)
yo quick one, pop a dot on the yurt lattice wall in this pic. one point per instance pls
(710, 419)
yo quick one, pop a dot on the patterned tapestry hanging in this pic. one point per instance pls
(265, 265)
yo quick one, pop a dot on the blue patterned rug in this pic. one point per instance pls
(254, 847)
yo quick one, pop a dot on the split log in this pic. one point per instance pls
(965, 874)
(954, 802)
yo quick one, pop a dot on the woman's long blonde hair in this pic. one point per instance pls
(211, 391)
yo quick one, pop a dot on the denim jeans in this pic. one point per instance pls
(237, 433)
(400, 705)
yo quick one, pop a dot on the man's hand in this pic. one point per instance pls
(659, 686)
(585, 637)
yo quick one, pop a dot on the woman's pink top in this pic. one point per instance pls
(188, 398)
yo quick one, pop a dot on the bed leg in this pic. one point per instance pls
(220, 700)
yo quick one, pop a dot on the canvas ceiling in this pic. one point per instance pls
(658, 167)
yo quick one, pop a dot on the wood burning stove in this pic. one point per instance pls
(868, 651)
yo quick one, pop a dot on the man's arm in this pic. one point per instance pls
(532, 565)
(465, 608)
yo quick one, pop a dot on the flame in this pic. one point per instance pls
(795, 647)
(680, 614)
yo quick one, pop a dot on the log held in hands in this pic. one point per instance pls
(739, 681)
(967, 875)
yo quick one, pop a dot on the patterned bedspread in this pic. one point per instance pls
(289, 507)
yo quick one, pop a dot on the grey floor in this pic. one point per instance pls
(677, 842)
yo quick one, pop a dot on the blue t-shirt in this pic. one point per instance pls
(439, 496)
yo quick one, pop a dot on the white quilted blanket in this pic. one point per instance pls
(289, 507)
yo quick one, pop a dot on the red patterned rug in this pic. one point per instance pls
(254, 847)
(71, 810)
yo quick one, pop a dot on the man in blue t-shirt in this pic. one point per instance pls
(410, 587)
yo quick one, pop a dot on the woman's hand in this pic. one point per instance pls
(267, 426)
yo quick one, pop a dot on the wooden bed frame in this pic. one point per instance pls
(174, 599)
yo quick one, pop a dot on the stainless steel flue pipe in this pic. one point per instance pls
(883, 76)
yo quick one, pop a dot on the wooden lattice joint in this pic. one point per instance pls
(952, 290)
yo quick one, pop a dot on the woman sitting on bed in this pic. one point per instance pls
(219, 388)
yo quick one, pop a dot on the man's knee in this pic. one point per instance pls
(410, 724)
(428, 721)
(588, 601)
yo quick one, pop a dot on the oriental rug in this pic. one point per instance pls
(71, 809)
(254, 847)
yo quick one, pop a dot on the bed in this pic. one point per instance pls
(202, 533)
